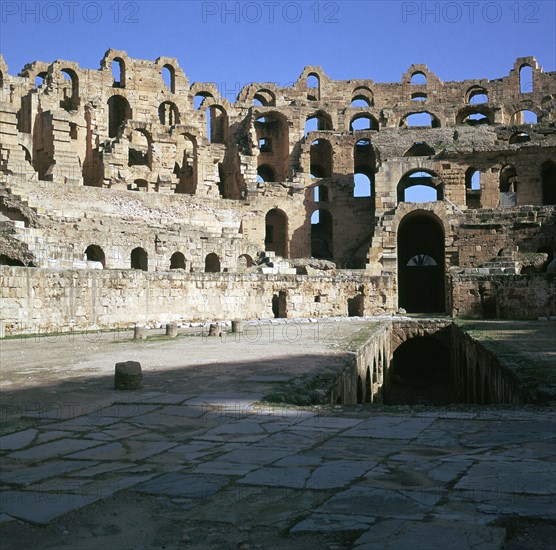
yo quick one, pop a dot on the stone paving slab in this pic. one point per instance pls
(403, 535)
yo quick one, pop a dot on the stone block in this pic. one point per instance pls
(128, 376)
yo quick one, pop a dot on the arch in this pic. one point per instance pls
(177, 261)
(322, 235)
(475, 115)
(217, 124)
(70, 101)
(363, 121)
(548, 177)
(276, 232)
(313, 87)
(140, 148)
(168, 114)
(244, 262)
(199, 99)
(273, 138)
(418, 96)
(519, 137)
(266, 98)
(421, 373)
(421, 285)
(363, 95)
(168, 74)
(117, 66)
(318, 122)
(364, 168)
(473, 188)
(186, 161)
(212, 263)
(94, 253)
(321, 155)
(265, 173)
(118, 111)
(426, 185)
(476, 95)
(525, 79)
(420, 119)
(508, 186)
(139, 259)
(40, 79)
(524, 116)
(420, 149)
(418, 78)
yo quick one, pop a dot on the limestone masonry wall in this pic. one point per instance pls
(131, 175)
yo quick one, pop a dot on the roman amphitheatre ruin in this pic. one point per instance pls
(416, 211)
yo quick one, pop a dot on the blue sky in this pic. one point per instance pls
(233, 43)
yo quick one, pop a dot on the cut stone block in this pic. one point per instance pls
(129, 376)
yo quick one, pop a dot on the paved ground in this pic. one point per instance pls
(196, 461)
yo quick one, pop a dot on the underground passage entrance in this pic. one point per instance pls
(420, 374)
(421, 264)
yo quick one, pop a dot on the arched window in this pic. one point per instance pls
(40, 80)
(362, 97)
(321, 159)
(139, 259)
(93, 253)
(264, 98)
(177, 261)
(212, 263)
(524, 117)
(276, 232)
(244, 262)
(185, 167)
(424, 119)
(313, 87)
(519, 137)
(118, 111)
(363, 122)
(168, 114)
(265, 173)
(318, 122)
(70, 90)
(419, 186)
(199, 99)
(508, 186)
(418, 96)
(140, 152)
(364, 168)
(322, 235)
(418, 78)
(473, 188)
(169, 77)
(217, 124)
(478, 97)
(118, 72)
(525, 79)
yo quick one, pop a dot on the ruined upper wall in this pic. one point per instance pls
(388, 103)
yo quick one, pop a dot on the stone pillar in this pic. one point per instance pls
(237, 325)
(140, 333)
(128, 376)
(171, 330)
(215, 329)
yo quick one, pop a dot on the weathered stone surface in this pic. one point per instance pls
(129, 376)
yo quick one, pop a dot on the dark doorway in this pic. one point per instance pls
(421, 374)
(322, 235)
(118, 111)
(421, 264)
(139, 259)
(212, 263)
(356, 306)
(279, 305)
(276, 234)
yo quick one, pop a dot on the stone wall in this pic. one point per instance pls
(504, 296)
(44, 300)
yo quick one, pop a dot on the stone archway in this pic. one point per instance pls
(421, 265)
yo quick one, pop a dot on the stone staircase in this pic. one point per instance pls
(277, 265)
